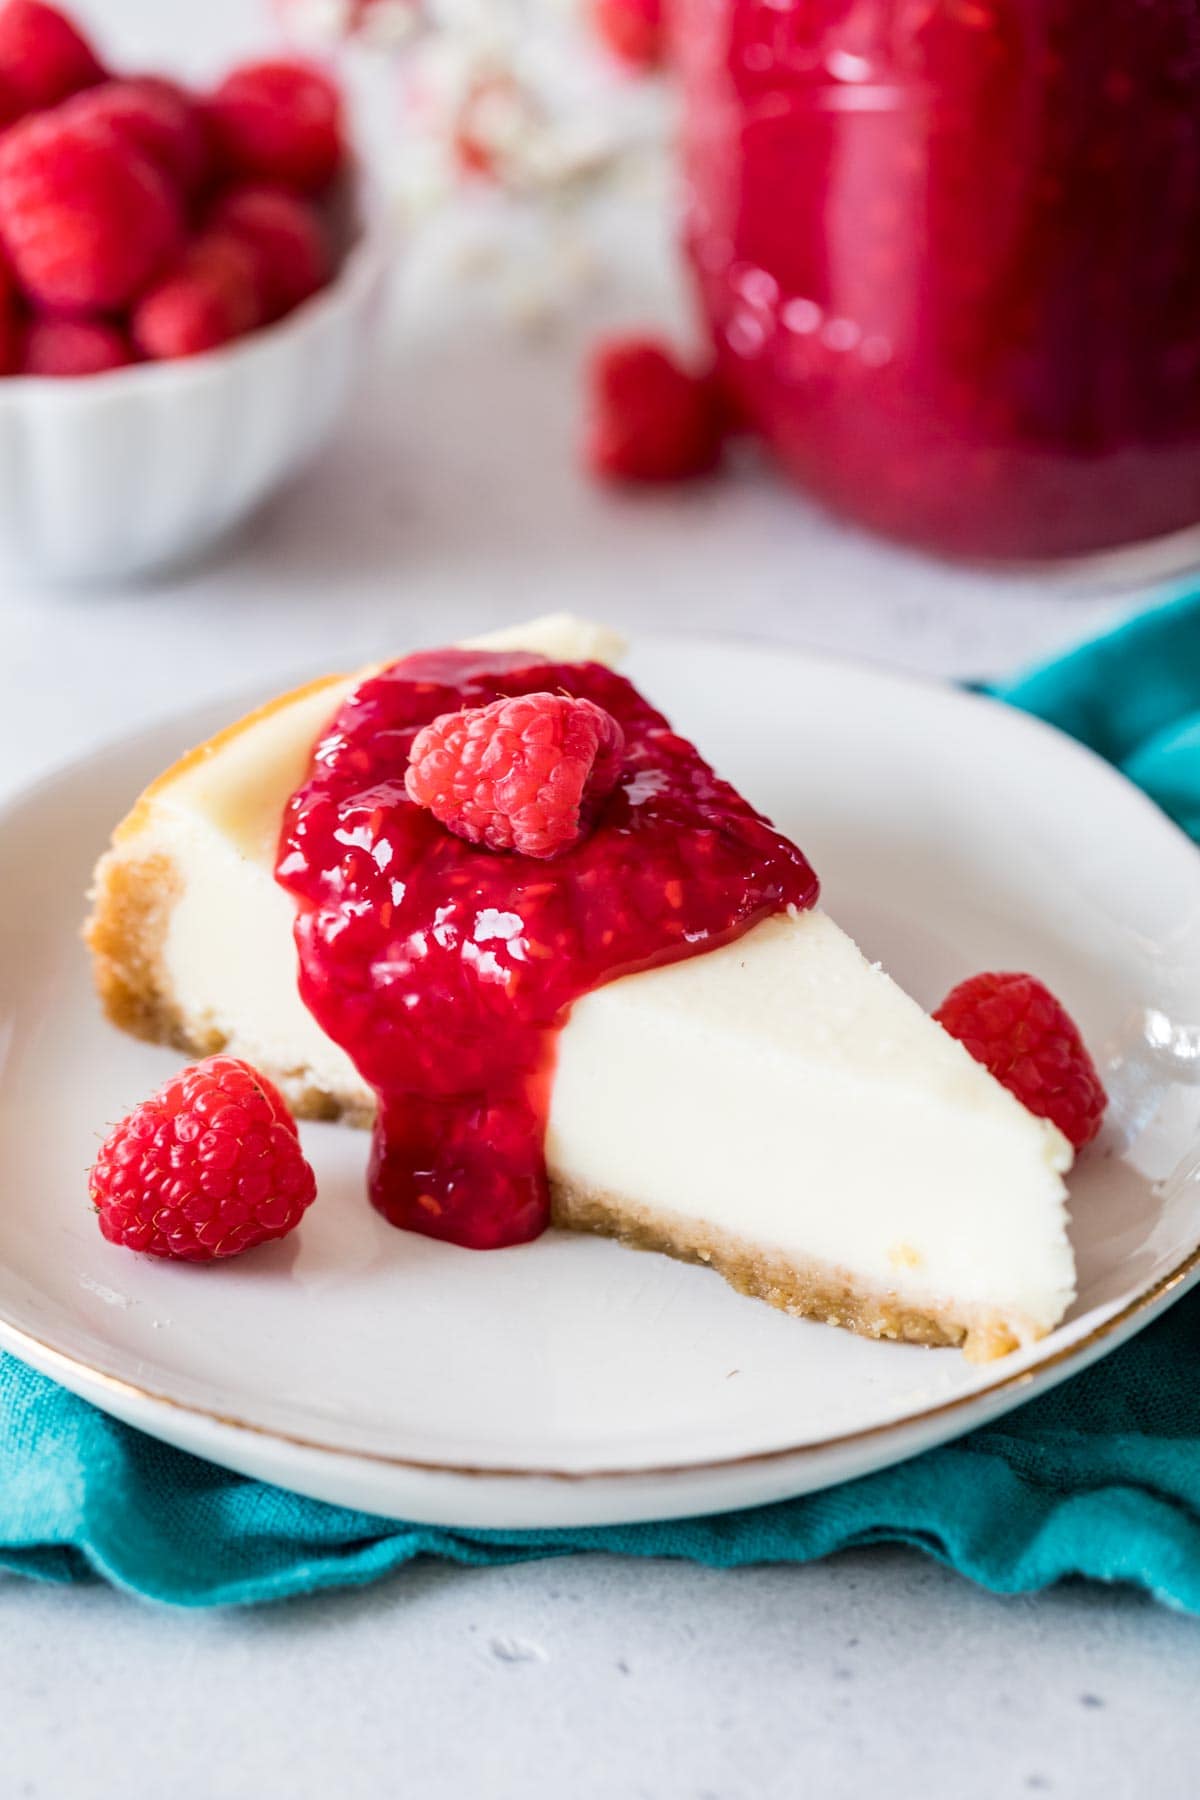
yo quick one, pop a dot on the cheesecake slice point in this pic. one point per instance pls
(790, 1116)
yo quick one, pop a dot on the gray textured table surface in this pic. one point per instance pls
(449, 502)
(876, 1673)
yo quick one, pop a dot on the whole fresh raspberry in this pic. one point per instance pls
(1015, 1027)
(631, 29)
(526, 774)
(210, 1165)
(208, 298)
(86, 221)
(73, 347)
(650, 420)
(279, 121)
(286, 238)
(155, 118)
(43, 56)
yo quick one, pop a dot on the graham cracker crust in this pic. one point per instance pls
(812, 1290)
(132, 902)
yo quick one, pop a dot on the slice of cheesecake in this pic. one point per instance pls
(777, 1107)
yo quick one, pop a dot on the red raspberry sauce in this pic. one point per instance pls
(446, 971)
(950, 253)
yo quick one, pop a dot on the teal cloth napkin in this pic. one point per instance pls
(1100, 1478)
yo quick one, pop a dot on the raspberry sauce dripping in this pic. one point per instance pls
(446, 971)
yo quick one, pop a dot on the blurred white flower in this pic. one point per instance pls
(508, 110)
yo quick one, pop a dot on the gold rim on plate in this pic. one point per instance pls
(1019, 1378)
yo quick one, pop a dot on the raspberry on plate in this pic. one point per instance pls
(73, 347)
(210, 1165)
(154, 117)
(631, 29)
(86, 221)
(43, 56)
(525, 774)
(279, 121)
(650, 420)
(209, 297)
(286, 237)
(1016, 1028)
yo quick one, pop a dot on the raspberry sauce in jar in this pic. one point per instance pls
(950, 253)
(446, 970)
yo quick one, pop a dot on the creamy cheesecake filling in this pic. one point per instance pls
(230, 961)
(785, 1093)
(777, 1107)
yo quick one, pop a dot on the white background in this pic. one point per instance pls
(450, 502)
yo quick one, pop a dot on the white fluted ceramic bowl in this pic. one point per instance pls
(115, 476)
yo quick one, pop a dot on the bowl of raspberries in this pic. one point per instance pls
(186, 282)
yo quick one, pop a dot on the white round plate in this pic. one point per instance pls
(573, 1381)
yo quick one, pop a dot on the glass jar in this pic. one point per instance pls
(950, 254)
